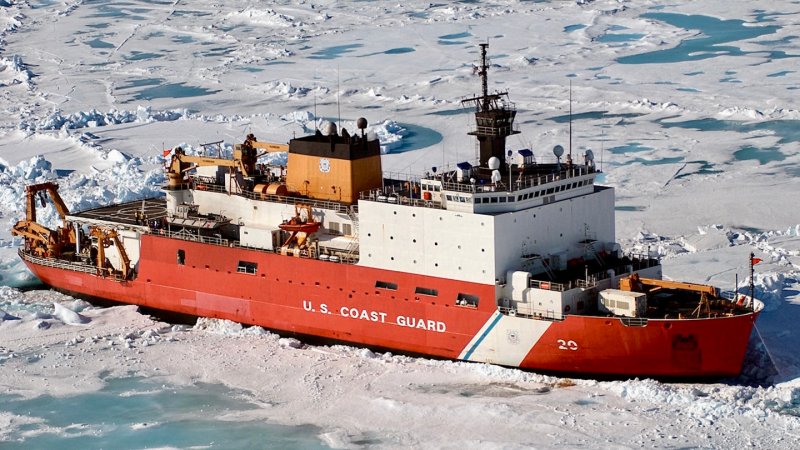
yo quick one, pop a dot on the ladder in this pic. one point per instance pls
(352, 247)
(589, 249)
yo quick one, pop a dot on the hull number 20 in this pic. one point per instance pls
(567, 345)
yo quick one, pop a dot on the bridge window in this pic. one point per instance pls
(426, 291)
(386, 285)
(468, 300)
(181, 257)
(247, 267)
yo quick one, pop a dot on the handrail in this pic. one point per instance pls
(319, 204)
(66, 265)
(343, 257)
(376, 195)
(636, 263)
(518, 183)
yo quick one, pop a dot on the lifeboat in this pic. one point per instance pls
(300, 224)
(295, 226)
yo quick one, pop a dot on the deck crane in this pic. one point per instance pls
(244, 159)
(38, 238)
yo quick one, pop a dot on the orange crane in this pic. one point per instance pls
(244, 159)
(652, 286)
(38, 238)
(105, 238)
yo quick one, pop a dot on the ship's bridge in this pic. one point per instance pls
(480, 190)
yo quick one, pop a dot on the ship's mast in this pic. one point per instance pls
(484, 77)
(494, 117)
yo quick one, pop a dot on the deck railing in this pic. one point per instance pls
(342, 256)
(517, 183)
(319, 204)
(67, 265)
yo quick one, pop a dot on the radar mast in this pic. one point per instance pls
(494, 117)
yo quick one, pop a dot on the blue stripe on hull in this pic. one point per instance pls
(497, 317)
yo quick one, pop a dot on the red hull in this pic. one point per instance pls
(341, 301)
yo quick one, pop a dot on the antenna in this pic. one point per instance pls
(602, 147)
(484, 79)
(570, 118)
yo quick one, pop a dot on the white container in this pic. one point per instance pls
(622, 303)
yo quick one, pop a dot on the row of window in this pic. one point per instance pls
(461, 299)
(520, 197)
(340, 229)
(242, 267)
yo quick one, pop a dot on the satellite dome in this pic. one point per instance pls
(494, 163)
(361, 123)
(330, 129)
(558, 151)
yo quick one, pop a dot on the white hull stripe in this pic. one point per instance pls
(487, 328)
(505, 340)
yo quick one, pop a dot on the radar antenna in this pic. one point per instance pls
(494, 117)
